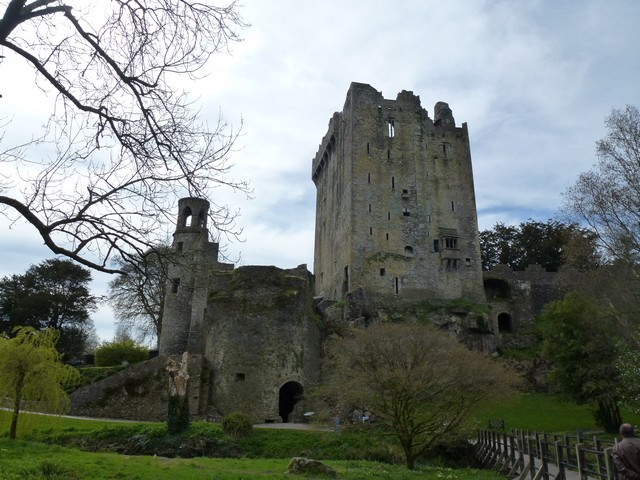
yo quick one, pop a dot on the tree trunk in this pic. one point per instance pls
(608, 414)
(16, 411)
(410, 458)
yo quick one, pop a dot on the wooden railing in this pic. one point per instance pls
(538, 456)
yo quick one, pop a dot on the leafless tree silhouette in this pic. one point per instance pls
(127, 141)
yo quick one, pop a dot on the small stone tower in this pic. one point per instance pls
(395, 206)
(188, 280)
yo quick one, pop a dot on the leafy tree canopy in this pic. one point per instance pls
(581, 345)
(52, 294)
(31, 369)
(550, 244)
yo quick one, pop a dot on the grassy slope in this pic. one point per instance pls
(24, 460)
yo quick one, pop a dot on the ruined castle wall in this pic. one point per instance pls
(395, 202)
(525, 293)
(261, 335)
(138, 392)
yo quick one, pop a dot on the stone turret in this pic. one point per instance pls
(187, 282)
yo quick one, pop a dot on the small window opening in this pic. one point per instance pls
(451, 243)
(408, 251)
(370, 230)
(406, 212)
(453, 206)
(382, 272)
(397, 285)
(393, 183)
(388, 215)
(175, 284)
(388, 154)
(368, 149)
(368, 178)
(387, 237)
(391, 127)
(467, 261)
(240, 377)
(179, 247)
(436, 245)
(428, 218)
(369, 208)
(446, 150)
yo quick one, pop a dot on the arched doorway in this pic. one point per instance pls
(290, 394)
(504, 323)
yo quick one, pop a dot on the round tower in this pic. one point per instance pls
(190, 241)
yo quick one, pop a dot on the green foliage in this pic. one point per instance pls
(551, 245)
(628, 365)
(31, 370)
(52, 294)
(582, 348)
(237, 425)
(120, 352)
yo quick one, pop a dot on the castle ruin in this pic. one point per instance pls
(396, 225)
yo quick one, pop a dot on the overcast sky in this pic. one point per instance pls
(533, 80)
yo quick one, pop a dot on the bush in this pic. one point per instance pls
(120, 352)
(237, 425)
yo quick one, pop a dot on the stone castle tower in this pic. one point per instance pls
(395, 205)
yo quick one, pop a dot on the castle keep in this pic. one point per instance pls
(396, 238)
(395, 203)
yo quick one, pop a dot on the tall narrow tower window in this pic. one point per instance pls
(368, 178)
(446, 150)
(391, 127)
(453, 206)
(393, 183)
(369, 208)
(370, 230)
(368, 149)
(396, 285)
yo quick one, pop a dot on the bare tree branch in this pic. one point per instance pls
(127, 143)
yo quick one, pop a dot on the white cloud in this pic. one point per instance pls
(533, 80)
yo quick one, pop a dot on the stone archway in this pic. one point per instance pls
(290, 394)
(504, 323)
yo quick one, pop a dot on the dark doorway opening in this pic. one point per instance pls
(504, 323)
(290, 394)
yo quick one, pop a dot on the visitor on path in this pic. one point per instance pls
(626, 454)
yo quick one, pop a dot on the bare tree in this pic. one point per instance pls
(419, 382)
(137, 298)
(607, 197)
(126, 141)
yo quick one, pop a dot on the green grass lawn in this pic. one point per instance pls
(545, 413)
(22, 460)
(267, 453)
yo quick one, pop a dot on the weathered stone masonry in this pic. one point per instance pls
(396, 226)
(395, 204)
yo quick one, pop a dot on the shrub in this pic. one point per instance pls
(120, 352)
(237, 425)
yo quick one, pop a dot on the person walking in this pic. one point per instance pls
(626, 454)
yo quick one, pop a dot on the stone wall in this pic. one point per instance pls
(262, 334)
(139, 392)
(395, 204)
